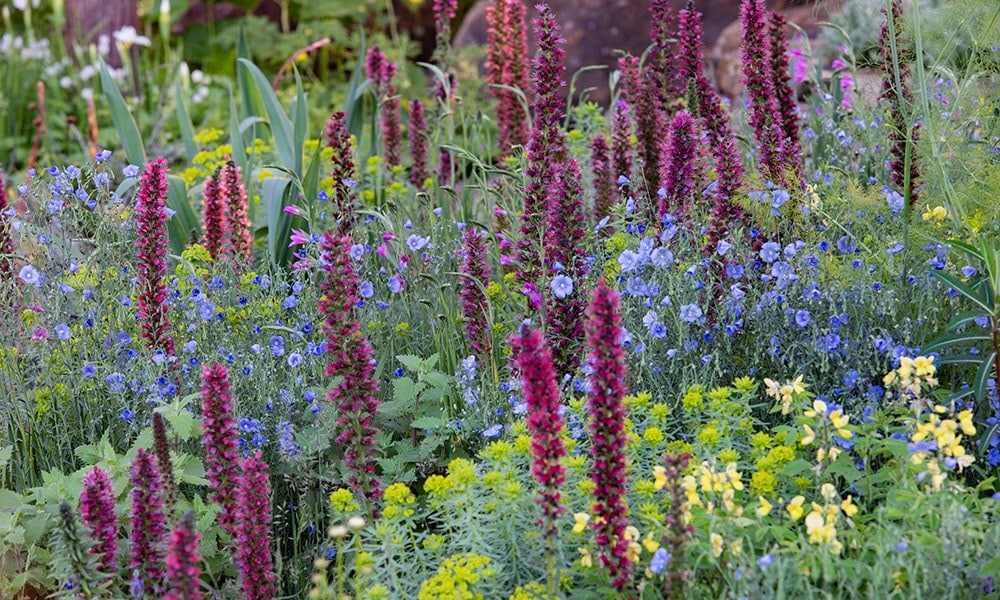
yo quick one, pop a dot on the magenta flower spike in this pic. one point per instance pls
(381, 71)
(668, 85)
(344, 173)
(607, 431)
(506, 52)
(565, 232)
(621, 141)
(219, 441)
(239, 241)
(758, 81)
(148, 533)
(895, 99)
(215, 215)
(475, 304)
(6, 243)
(151, 256)
(356, 396)
(545, 423)
(547, 146)
(253, 531)
(679, 171)
(787, 114)
(639, 90)
(605, 192)
(184, 561)
(97, 508)
(418, 144)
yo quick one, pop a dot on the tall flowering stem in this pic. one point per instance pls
(607, 431)
(215, 215)
(678, 528)
(545, 423)
(506, 52)
(565, 232)
(669, 86)
(621, 141)
(787, 115)
(6, 243)
(758, 80)
(475, 304)
(253, 527)
(151, 246)
(381, 71)
(679, 171)
(219, 440)
(896, 97)
(715, 122)
(70, 547)
(184, 561)
(640, 92)
(604, 178)
(148, 535)
(444, 13)
(97, 507)
(161, 447)
(344, 172)
(239, 241)
(418, 144)
(547, 146)
(356, 396)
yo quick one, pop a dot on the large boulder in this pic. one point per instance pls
(595, 30)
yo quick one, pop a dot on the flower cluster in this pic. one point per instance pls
(344, 173)
(607, 431)
(252, 542)
(148, 534)
(151, 246)
(937, 444)
(604, 177)
(219, 441)
(97, 507)
(475, 304)
(239, 240)
(640, 92)
(827, 423)
(506, 49)
(356, 396)
(904, 169)
(215, 214)
(541, 393)
(6, 243)
(621, 141)
(418, 144)
(184, 561)
(381, 71)
(679, 171)
(912, 377)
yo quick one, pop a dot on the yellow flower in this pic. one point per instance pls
(581, 522)
(659, 477)
(965, 422)
(795, 509)
(849, 507)
(585, 560)
(342, 500)
(718, 544)
(810, 436)
(650, 544)
(765, 507)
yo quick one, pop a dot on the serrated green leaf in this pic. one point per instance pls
(411, 362)
(181, 421)
(428, 423)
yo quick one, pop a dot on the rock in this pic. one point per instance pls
(595, 30)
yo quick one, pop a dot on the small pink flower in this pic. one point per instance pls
(299, 237)
(39, 333)
(382, 250)
(800, 66)
(846, 85)
(404, 261)
(533, 295)
(293, 210)
(506, 260)
(838, 64)
(387, 236)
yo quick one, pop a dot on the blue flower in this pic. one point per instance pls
(277, 345)
(416, 243)
(765, 561)
(294, 359)
(770, 252)
(290, 302)
(395, 284)
(366, 289)
(658, 330)
(127, 415)
(628, 260)
(562, 286)
(88, 371)
(493, 431)
(802, 318)
(690, 313)
(622, 180)
(661, 258)
(895, 201)
(116, 382)
(130, 171)
(207, 311)
(62, 331)
(659, 561)
(357, 251)
(31, 275)
(734, 271)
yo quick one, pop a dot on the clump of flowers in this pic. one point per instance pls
(151, 247)
(148, 534)
(541, 393)
(356, 396)
(457, 577)
(6, 243)
(758, 79)
(604, 178)
(97, 507)
(678, 174)
(828, 424)
(215, 214)
(911, 378)
(418, 144)
(344, 172)
(787, 114)
(937, 445)
(506, 49)
(621, 141)
(639, 90)
(565, 231)
(607, 431)
(253, 531)
(239, 241)
(381, 71)
(821, 522)
(219, 441)
(786, 393)
(475, 304)
(547, 146)
(184, 561)
(71, 548)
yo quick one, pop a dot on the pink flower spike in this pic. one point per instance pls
(293, 210)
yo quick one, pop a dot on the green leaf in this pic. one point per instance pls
(10, 501)
(981, 379)
(5, 455)
(955, 338)
(796, 467)
(275, 194)
(185, 223)
(353, 106)
(182, 422)
(965, 317)
(991, 568)
(955, 359)
(961, 288)
(281, 127)
(125, 125)
(184, 122)
(967, 248)
(300, 122)
(411, 362)
(428, 423)
(239, 153)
